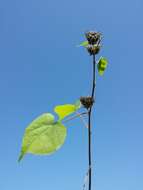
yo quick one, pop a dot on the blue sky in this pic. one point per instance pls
(40, 67)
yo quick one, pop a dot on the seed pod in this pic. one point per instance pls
(93, 37)
(93, 49)
(87, 101)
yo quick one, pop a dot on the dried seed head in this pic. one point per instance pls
(87, 102)
(93, 37)
(93, 49)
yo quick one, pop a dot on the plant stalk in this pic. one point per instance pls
(89, 126)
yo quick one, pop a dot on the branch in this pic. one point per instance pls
(82, 119)
(75, 116)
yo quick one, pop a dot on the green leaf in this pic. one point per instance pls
(77, 104)
(64, 110)
(84, 44)
(101, 66)
(43, 136)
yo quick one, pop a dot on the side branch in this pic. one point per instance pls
(75, 116)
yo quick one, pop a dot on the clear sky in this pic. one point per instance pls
(40, 67)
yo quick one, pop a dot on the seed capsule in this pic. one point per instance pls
(93, 37)
(93, 49)
(87, 102)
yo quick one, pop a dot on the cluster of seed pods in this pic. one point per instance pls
(94, 39)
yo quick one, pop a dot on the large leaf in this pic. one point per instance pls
(66, 109)
(101, 66)
(43, 136)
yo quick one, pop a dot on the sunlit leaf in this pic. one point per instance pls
(64, 110)
(84, 44)
(101, 66)
(77, 104)
(43, 136)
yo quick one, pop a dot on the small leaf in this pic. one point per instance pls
(43, 136)
(64, 110)
(101, 66)
(84, 44)
(77, 104)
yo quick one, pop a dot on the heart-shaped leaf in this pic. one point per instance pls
(43, 136)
